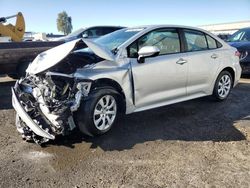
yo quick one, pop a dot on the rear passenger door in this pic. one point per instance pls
(203, 61)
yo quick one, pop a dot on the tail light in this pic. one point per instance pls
(241, 55)
(237, 53)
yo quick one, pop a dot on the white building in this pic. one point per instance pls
(33, 36)
(225, 28)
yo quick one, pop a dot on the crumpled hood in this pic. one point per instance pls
(51, 57)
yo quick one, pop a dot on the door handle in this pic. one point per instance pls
(214, 56)
(181, 61)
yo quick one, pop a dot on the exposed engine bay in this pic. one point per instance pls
(57, 82)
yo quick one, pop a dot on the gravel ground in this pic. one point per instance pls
(199, 143)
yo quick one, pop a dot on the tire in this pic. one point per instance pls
(223, 86)
(95, 116)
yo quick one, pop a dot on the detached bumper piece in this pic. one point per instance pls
(33, 130)
(45, 106)
(34, 120)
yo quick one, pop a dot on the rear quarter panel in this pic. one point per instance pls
(228, 60)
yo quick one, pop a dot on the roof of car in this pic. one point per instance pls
(245, 28)
(105, 26)
(166, 25)
(152, 27)
(148, 28)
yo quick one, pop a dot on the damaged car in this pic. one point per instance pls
(85, 84)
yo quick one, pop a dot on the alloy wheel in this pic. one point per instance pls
(105, 112)
(224, 86)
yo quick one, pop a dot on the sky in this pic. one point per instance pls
(41, 15)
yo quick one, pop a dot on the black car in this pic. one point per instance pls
(90, 33)
(241, 41)
(224, 37)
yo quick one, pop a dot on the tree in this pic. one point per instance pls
(64, 23)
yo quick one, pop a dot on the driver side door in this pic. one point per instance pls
(162, 79)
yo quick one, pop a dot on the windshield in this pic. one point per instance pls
(115, 39)
(240, 36)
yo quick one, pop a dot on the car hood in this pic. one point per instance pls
(240, 45)
(51, 57)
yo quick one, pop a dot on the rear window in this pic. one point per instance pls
(211, 42)
(219, 45)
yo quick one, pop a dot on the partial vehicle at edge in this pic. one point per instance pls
(89, 33)
(16, 56)
(86, 84)
(241, 40)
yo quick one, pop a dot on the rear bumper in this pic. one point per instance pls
(26, 118)
(238, 71)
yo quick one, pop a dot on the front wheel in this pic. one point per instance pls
(223, 86)
(98, 113)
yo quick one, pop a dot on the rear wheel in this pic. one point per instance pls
(98, 113)
(223, 85)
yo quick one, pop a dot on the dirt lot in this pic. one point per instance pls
(200, 143)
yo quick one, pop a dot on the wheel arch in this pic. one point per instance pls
(102, 82)
(231, 71)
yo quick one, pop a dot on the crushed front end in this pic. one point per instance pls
(45, 104)
(46, 98)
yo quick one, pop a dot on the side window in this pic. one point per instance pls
(109, 30)
(92, 33)
(132, 50)
(167, 40)
(99, 32)
(106, 30)
(219, 45)
(196, 40)
(211, 42)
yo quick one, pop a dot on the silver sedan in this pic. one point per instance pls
(85, 84)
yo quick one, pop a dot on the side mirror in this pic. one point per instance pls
(84, 35)
(147, 51)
